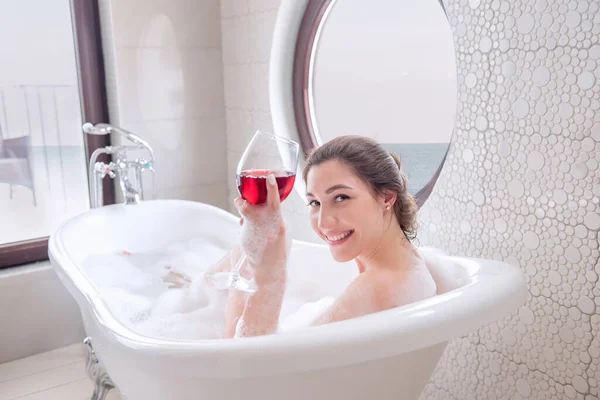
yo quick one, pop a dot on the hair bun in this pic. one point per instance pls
(396, 160)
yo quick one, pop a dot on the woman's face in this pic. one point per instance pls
(343, 211)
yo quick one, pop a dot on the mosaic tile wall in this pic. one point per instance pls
(521, 182)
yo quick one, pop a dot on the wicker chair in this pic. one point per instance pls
(15, 164)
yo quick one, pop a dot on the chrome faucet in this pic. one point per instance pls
(131, 186)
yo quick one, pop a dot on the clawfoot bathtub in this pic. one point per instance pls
(386, 355)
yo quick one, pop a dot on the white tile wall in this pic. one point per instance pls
(166, 85)
(207, 193)
(170, 82)
(247, 27)
(164, 23)
(185, 150)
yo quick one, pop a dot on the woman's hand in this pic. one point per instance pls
(264, 234)
(176, 280)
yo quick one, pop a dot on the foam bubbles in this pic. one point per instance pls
(132, 286)
(257, 233)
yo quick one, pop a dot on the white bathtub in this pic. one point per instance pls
(387, 355)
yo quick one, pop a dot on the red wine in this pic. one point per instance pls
(252, 184)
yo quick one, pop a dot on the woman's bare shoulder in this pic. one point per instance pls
(378, 290)
(394, 288)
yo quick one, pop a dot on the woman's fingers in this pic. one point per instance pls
(250, 212)
(273, 200)
(242, 207)
(176, 280)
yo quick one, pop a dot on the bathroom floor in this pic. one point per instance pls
(56, 375)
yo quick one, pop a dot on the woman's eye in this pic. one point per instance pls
(337, 199)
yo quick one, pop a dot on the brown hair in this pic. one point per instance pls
(379, 169)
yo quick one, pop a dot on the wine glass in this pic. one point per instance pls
(265, 154)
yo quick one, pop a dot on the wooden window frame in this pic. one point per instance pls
(94, 108)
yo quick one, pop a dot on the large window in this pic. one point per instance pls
(51, 83)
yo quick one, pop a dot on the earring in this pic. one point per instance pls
(388, 208)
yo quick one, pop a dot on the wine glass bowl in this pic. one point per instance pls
(253, 187)
(265, 154)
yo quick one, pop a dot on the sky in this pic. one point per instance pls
(385, 69)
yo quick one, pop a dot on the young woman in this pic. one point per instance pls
(360, 206)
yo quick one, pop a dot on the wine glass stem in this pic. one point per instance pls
(240, 263)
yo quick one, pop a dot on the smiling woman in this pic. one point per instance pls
(361, 208)
(54, 82)
(354, 187)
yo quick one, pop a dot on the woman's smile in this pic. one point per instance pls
(334, 239)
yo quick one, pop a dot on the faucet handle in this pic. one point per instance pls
(98, 129)
(146, 164)
(103, 169)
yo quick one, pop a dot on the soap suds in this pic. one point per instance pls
(133, 286)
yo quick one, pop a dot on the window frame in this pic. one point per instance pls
(313, 16)
(85, 17)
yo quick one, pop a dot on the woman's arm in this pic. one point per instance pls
(235, 308)
(266, 246)
(260, 309)
(260, 315)
(236, 299)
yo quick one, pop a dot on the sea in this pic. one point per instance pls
(420, 161)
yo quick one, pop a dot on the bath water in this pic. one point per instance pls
(132, 285)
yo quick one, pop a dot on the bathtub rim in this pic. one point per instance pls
(400, 330)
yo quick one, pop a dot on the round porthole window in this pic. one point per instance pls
(384, 69)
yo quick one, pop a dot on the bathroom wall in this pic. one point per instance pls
(37, 313)
(164, 72)
(521, 182)
(247, 30)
